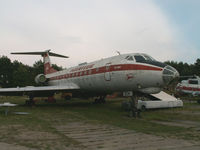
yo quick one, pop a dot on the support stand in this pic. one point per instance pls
(134, 111)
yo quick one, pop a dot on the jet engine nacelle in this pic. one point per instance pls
(40, 78)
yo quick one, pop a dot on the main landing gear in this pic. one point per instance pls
(30, 102)
(100, 100)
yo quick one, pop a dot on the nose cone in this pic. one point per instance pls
(176, 75)
(169, 74)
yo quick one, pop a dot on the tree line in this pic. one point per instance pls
(186, 69)
(14, 74)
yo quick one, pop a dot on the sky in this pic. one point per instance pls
(88, 30)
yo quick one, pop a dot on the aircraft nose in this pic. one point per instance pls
(169, 74)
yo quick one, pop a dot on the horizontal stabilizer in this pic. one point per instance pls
(40, 53)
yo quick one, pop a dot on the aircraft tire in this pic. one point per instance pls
(103, 101)
(143, 108)
(68, 97)
(29, 103)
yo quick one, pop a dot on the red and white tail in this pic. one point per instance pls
(48, 69)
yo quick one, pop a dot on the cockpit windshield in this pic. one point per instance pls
(148, 57)
(129, 58)
(145, 59)
(139, 58)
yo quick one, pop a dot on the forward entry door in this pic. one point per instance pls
(107, 74)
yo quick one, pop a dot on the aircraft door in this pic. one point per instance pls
(107, 74)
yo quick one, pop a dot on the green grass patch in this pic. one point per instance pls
(45, 116)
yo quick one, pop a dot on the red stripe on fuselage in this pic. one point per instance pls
(111, 68)
(188, 88)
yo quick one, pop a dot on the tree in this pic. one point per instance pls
(38, 68)
(6, 70)
(58, 68)
(185, 69)
(22, 74)
(197, 67)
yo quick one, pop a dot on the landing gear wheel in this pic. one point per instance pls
(68, 97)
(100, 100)
(96, 101)
(30, 102)
(143, 108)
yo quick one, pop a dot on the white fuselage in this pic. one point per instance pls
(191, 86)
(112, 74)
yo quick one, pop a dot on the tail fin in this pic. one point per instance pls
(48, 69)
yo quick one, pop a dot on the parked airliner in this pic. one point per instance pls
(190, 86)
(135, 72)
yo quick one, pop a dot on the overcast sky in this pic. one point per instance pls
(87, 30)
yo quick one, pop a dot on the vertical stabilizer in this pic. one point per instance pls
(48, 69)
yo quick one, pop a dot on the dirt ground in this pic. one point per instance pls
(6, 146)
(62, 128)
(106, 137)
(96, 136)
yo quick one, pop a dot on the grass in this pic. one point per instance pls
(45, 116)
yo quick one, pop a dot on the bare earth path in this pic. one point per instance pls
(107, 137)
(5, 146)
(90, 136)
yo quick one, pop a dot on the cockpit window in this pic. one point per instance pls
(129, 58)
(139, 58)
(148, 57)
(193, 81)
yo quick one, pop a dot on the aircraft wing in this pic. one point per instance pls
(38, 91)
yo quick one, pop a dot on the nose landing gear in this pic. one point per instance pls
(134, 111)
(100, 100)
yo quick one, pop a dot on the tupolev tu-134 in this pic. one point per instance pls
(135, 72)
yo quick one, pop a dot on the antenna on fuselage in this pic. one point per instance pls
(118, 52)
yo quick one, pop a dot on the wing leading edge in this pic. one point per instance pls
(38, 91)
